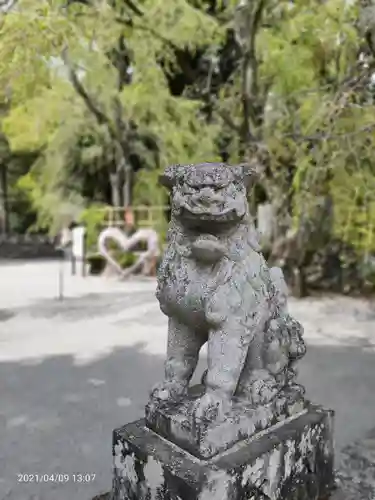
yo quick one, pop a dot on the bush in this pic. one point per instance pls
(125, 259)
(94, 218)
(96, 264)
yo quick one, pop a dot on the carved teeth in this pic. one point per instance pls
(193, 213)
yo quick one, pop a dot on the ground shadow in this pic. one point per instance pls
(6, 314)
(342, 378)
(56, 416)
(84, 306)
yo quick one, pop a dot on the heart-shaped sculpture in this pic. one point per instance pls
(126, 243)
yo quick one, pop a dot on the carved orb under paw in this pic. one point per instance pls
(167, 391)
(211, 406)
(263, 388)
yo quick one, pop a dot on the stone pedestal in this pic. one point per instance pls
(175, 421)
(292, 460)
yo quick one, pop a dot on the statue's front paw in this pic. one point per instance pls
(166, 391)
(262, 388)
(211, 406)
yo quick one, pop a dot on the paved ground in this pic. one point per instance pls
(72, 370)
(356, 476)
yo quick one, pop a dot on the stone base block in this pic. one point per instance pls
(175, 422)
(290, 461)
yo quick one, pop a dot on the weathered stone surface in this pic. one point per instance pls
(175, 422)
(292, 461)
(216, 287)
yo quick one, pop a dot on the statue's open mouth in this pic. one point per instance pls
(208, 215)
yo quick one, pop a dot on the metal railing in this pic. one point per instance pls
(144, 216)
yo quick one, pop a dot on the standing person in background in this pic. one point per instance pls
(129, 220)
(150, 266)
(78, 246)
(65, 238)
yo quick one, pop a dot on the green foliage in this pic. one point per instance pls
(22, 215)
(125, 259)
(48, 113)
(94, 218)
(53, 208)
(312, 111)
(97, 263)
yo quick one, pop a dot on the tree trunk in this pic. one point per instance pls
(298, 285)
(115, 181)
(127, 186)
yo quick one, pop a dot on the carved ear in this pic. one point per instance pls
(170, 176)
(247, 173)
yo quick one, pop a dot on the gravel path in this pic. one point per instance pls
(72, 370)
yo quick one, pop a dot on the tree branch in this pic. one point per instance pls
(129, 3)
(249, 16)
(99, 115)
(127, 21)
(228, 120)
(323, 136)
(133, 7)
(118, 133)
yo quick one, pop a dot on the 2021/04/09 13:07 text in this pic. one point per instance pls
(55, 478)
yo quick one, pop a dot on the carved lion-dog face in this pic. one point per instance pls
(209, 192)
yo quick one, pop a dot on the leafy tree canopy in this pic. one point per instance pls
(66, 48)
(99, 84)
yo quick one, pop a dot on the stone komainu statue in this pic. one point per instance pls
(215, 286)
(247, 431)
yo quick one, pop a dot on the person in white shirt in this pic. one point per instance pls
(78, 246)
